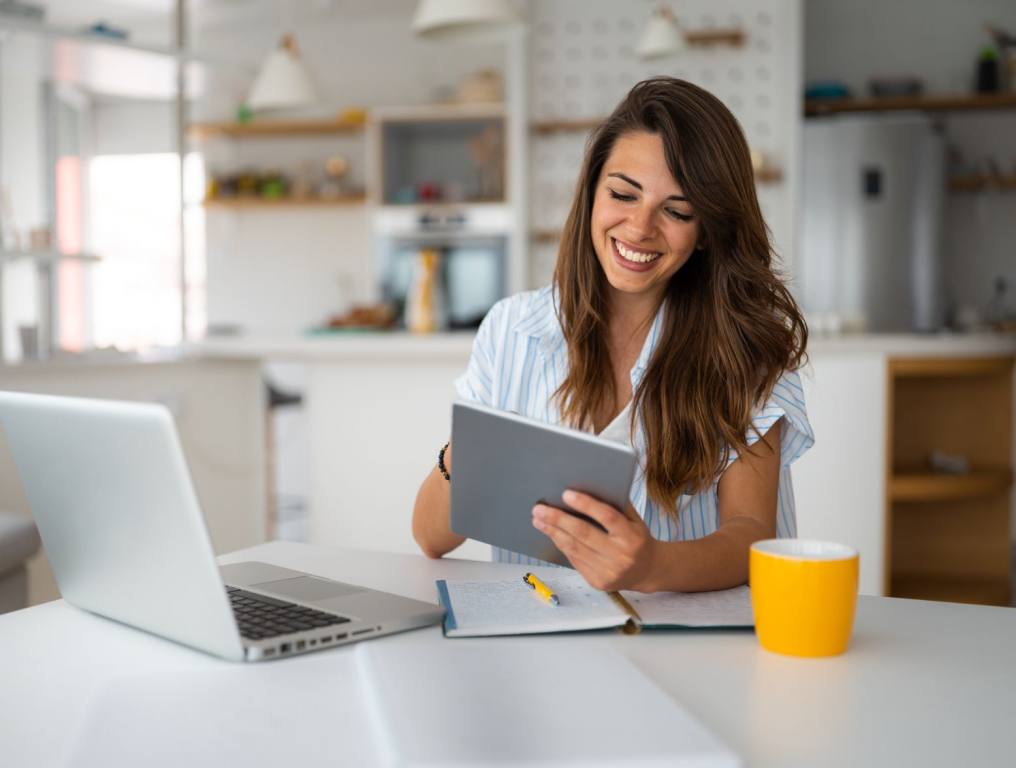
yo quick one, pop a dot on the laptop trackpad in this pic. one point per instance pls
(307, 588)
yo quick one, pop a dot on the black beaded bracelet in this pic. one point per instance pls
(440, 463)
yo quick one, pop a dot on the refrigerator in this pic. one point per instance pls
(870, 253)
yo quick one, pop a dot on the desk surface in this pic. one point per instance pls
(922, 684)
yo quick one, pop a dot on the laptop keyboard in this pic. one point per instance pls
(260, 617)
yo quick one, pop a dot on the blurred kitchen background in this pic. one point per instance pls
(284, 219)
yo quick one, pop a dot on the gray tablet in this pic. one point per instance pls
(503, 464)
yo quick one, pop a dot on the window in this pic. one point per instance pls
(134, 209)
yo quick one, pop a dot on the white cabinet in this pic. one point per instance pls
(376, 422)
(839, 485)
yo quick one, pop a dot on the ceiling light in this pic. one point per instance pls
(662, 36)
(283, 80)
(449, 18)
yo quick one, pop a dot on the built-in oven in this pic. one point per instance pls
(471, 248)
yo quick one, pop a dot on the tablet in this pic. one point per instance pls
(503, 464)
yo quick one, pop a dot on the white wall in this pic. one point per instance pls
(135, 127)
(280, 272)
(938, 41)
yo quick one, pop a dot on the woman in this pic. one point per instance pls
(665, 326)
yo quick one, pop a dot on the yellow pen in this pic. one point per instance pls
(541, 589)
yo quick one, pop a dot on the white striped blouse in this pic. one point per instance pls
(519, 360)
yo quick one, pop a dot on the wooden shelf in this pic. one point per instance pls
(943, 103)
(280, 128)
(546, 127)
(706, 37)
(46, 255)
(982, 181)
(440, 112)
(948, 536)
(768, 176)
(955, 589)
(545, 236)
(935, 367)
(928, 486)
(252, 203)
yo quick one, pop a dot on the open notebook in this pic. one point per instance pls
(509, 607)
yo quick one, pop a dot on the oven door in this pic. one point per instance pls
(471, 273)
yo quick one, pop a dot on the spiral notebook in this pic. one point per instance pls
(510, 607)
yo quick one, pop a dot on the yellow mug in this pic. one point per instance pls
(803, 594)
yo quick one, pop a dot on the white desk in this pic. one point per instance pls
(922, 684)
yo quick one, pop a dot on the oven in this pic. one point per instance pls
(471, 244)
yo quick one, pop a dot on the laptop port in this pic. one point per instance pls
(300, 645)
(326, 639)
(343, 636)
(284, 648)
(363, 631)
(313, 643)
(268, 652)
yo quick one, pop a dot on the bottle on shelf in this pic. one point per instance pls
(425, 302)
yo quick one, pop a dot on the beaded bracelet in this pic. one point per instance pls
(440, 463)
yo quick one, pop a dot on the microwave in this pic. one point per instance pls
(472, 260)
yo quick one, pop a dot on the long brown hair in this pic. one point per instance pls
(730, 325)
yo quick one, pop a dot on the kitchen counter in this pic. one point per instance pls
(915, 345)
(104, 358)
(401, 346)
(456, 346)
(363, 346)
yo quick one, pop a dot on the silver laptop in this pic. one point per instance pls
(123, 531)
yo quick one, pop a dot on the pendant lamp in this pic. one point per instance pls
(440, 19)
(283, 80)
(662, 36)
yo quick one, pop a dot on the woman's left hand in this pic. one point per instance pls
(620, 558)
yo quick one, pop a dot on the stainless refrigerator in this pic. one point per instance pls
(870, 251)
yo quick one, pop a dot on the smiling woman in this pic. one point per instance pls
(667, 327)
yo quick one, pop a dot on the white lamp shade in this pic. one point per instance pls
(440, 19)
(283, 81)
(662, 36)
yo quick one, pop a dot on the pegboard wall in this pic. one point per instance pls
(582, 62)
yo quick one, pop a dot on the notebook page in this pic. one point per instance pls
(723, 608)
(512, 608)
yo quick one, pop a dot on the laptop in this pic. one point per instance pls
(113, 500)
